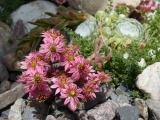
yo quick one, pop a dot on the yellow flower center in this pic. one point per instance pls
(33, 64)
(52, 48)
(54, 35)
(63, 75)
(41, 97)
(89, 89)
(70, 58)
(80, 67)
(63, 82)
(37, 78)
(94, 82)
(72, 93)
(102, 77)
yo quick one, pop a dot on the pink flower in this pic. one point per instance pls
(23, 77)
(89, 91)
(103, 77)
(36, 80)
(67, 60)
(59, 83)
(51, 34)
(80, 68)
(40, 94)
(33, 62)
(52, 49)
(72, 93)
(60, 1)
(94, 79)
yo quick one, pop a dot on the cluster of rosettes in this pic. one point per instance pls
(60, 69)
(147, 5)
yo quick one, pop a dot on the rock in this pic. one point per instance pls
(50, 117)
(127, 113)
(133, 3)
(86, 28)
(81, 114)
(61, 112)
(5, 34)
(4, 73)
(4, 86)
(154, 106)
(16, 110)
(9, 61)
(140, 103)
(149, 81)
(32, 11)
(11, 96)
(1, 118)
(122, 90)
(122, 100)
(14, 84)
(92, 6)
(113, 96)
(5, 113)
(102, 96)
(35, 111)
(89, 6)
(105, 111)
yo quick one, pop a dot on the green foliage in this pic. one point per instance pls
(153, 26)
(122, 9)
(126, 70)
(8, 7)
(86, 46)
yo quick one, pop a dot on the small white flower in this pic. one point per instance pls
(142, 63)
(152, 53)
(158, 48)
(125, 55)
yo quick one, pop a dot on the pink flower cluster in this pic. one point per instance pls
(148, 5)
(60, 69)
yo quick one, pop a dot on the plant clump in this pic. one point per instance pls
(73, 79)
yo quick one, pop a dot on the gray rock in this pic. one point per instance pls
(92, 6)
(149, 81)
(62, 112)
(89, 6)
(5, 85)
(154, 106)
(32, 11)
(5, 34)
(11, 96)
(140, 103)
(128, 113)
(122, 100)
(5, 113)
(122, 90)
(9, 61)
(50, 117)
(105, 111)
(35, 111)
(86, 28)
(113, 96)
(81, 114)
(16, 110)
(1, 118)
(14, 84)
(4, 73)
